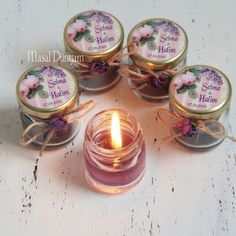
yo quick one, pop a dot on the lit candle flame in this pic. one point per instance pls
(116, 139)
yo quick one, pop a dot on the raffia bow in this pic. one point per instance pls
(148, 77)
(186, 127)
(88, 70)
(55, 124)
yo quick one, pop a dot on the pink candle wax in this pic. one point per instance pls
(110, 169)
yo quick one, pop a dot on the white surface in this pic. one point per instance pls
(182, 193)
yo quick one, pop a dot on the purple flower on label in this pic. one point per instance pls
(162, 82)
(99, 67)
(213, 75)
(168, 27)
(186, 127)
(52, 71)
(100, 17)
(57, 123)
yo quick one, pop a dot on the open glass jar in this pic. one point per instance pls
(160, 47)
(199, 99)
(108, 169)
(44, 94)
(95, 37)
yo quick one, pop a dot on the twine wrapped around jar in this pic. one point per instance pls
(55, 124)
(188, 127)
(149, 77)
(101, 67)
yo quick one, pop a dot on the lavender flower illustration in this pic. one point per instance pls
(168, 26)
(213, 75)
(100, 17)
(52, 71)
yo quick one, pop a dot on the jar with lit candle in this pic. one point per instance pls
(114, 151)
(160, 51)
(96, 38)
(199, 107)
(44, 94)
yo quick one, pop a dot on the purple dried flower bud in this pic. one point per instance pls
(162, 81)
(57, 123)
(99, 67)
(186, 127)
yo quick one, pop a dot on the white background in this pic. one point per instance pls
(183, 193)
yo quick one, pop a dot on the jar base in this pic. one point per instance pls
(201, 148)
(100, 84)
(55, 144)
(99, 187)
(146, 97)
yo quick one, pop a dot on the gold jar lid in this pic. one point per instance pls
(95, 35)
(47, 90)
(160, 44)
(200, 92)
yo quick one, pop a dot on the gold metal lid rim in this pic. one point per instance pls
(41, 113)
(158, 65)
(194, 114)
(90, 56)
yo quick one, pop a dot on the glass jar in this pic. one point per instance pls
(199, 99)
(160, 51)
(45, 93)
(112, 170)
(95, 37)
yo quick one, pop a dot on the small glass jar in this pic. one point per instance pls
(44, 94)
(95, 37)
(113, 170)
(199, 98)
(160, 47)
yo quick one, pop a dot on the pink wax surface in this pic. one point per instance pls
(116, 176)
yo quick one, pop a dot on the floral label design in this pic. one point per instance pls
(200, 88)
(159, 40)
(94, 32)
(47, 87)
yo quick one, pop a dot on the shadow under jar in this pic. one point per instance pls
(200, 97)
(93, 39)
(44, 94)
(160, 47)
(112, 170)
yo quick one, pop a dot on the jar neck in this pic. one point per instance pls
(97, 139)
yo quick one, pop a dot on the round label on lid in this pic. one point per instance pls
(94, 32)
(159, 40)
(200, 89)
(46, 88)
